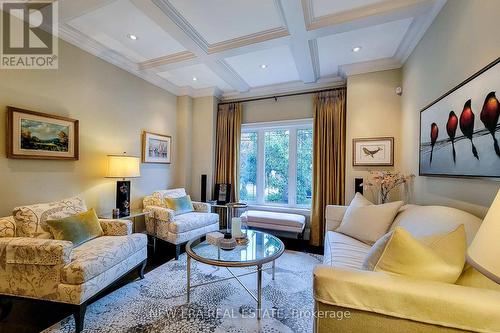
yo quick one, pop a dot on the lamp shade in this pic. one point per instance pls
(122, 166)
(484, 252)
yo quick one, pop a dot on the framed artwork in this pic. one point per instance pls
(156, 148)
(223, 193)
(373, 151)
(459, 131)
(36, 135)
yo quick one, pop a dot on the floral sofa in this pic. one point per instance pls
(33, 265)
(164, 224)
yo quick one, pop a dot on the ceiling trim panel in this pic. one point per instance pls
(384, 8)
(165, 60)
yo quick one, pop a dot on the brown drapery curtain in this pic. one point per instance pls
(329, 148)
(227, 147)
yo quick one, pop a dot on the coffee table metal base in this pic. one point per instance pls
(257, 298)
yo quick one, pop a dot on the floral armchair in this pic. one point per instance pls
(33, 265)
(164, 224)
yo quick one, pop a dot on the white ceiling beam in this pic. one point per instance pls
(301, 51)
(175, 25)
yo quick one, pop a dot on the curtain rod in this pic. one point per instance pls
(278, 96)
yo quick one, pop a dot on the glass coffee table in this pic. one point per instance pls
(260, 249)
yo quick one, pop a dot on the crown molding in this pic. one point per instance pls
(289, 87)
(369, 66)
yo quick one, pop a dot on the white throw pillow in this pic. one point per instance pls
(368, 222)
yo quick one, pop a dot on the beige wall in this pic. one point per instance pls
(373, 110)
(464, 38)
(286, 108)
(113, 108)
(203, 144)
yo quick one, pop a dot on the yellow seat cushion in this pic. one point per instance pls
(473, 278)
(440, 259)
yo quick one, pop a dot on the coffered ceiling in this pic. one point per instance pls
(235, 48)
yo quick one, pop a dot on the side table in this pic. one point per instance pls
(134, 214)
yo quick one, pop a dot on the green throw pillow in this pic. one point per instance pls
(78, 228)
(180, 205)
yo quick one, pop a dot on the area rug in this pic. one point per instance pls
(158, 303)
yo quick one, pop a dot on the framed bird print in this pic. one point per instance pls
(459, 132)
(373, 151)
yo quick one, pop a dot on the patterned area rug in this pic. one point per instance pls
(158, 303)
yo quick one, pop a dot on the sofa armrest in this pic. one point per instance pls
(333, 216)
(419, 300)
(202, 207)
(116, 227)
(7, 226)
(35, 251)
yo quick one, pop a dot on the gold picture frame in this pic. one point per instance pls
(377, 151)
(41, 136)
(156, 148)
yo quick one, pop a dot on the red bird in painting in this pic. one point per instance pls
(489, 116)
(451, 128)
(434, 136)
(467, 125)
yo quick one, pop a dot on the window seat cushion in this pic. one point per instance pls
(275, 220)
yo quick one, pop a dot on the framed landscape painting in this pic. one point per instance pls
(156, 148)
(373, 151)
(459, 132)
(36, 135)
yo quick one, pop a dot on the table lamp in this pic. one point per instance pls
(484, 251)
(123, 166)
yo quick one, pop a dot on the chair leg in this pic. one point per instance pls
(140, 269)
(177, 251)
(79, 315)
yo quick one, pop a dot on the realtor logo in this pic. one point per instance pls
(29, 35)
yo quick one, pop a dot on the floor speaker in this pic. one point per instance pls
(203, 188)
(358, 185)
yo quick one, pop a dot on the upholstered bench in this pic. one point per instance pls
(291, 223)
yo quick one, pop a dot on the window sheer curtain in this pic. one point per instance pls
(227, 147)
(329, 147)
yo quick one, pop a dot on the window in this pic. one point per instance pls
(276, 163)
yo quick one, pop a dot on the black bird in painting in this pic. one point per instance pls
(489, 116)
(467, 125)
(434, 136)
(451, 128)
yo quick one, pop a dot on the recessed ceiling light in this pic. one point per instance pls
(194, 78)
(132, 36)
(263, 66)
(356, 49)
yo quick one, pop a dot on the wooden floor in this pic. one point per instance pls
(33, 317)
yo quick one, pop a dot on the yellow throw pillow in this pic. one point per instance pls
(440, 258)
(78, 228)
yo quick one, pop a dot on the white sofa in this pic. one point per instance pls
(164, 224)
(391, 303)
(36, 266)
